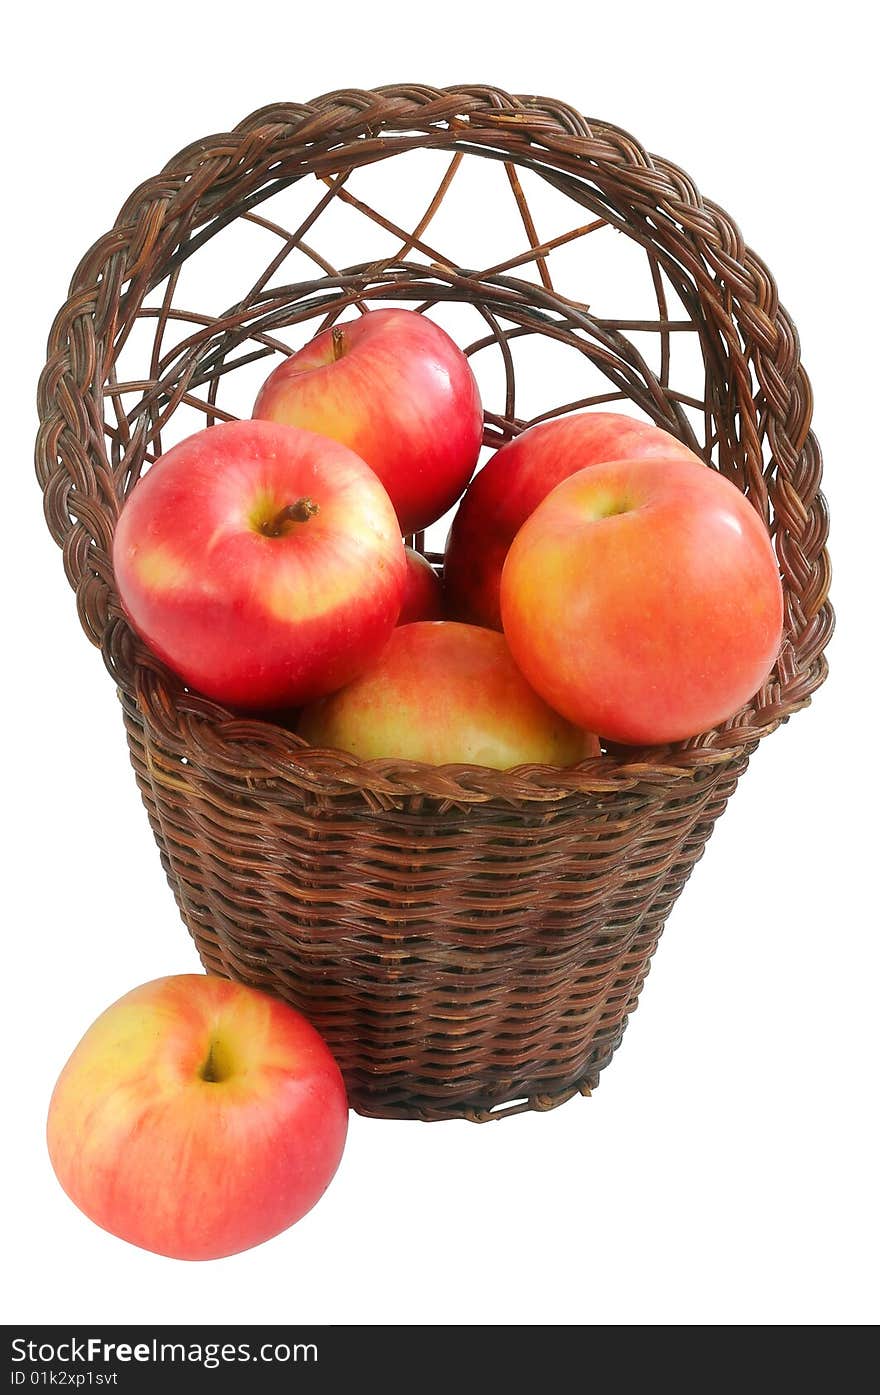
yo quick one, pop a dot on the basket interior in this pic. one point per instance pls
(574, 269)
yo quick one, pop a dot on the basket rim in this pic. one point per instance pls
(246, 751)
(353, 126)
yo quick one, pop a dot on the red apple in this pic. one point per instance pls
(445, 693)
(395, 388)
(422, 591)
(511, 486)
(642, 599)
(263, 564)
(197, 1118)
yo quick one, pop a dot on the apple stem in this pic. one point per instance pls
(208, 1071)
(337, 334)
(300, 512)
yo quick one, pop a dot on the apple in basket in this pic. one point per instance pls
(445, 693)
(197, 1118)
(422, 591)
(395, 388)
(264, 564)
(512, 484)
(642, 599)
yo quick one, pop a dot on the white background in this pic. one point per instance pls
(725, 1172)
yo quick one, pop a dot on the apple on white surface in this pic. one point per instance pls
(197, 1117)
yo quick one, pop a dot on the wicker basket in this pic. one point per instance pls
(470, 942)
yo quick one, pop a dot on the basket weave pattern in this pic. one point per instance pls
(470, 942)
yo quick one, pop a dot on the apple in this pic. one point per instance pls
(446, 694)
(263, 564)
(393, 387)
(197, 1118)
(642, 599)
(511, 486)
(422, 591)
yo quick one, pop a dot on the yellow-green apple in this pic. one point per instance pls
(395, 388)
(262, 563)
(642, 599)
(422, 591)
(445, 693)
(511, 486)
(197, 1117)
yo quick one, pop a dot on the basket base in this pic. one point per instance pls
(374, 1098)
(499, 1101)
(475, 1114)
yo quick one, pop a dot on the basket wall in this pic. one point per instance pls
(455, 960)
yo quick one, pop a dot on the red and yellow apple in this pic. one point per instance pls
(511, 486)
(393, 387)
(262, 563)
(422, 591)
(197, 1118)
(445, 693)
(642, 599)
